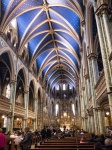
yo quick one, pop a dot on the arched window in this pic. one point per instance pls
(57, 109)
(73, 109)
(8, 91)
(64, 88)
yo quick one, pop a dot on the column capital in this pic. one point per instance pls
(83, 23)
(92, 56)
(86, 76)
(35, 99)
(83, 88)
(102, 9)
(12, 82)
(26, 91)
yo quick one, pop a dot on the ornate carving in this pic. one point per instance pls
(103, 9)
(45, 7)
(83, 23)
(51, 31)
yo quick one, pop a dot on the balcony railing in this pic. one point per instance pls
(19, 109)
(31, 114)
(4, 104)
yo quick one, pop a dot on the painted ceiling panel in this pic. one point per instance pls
(73, 19)
(40, 29)
(24, 20)
(45, 41)
(57, 2)
(40, 17)
(52, 31)
(55, 16)
(58, 25)
(43, 56)
(67, 55)
(61, 36)
(5, 3)
(33, 44)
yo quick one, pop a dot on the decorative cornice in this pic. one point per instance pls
(92, 56)
(98, 108)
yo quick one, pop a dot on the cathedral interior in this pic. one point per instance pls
(55, 64)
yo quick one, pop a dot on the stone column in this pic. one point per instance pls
(93, 72)
(97, 123)
(41, 115)
(105, 60)
(9, 126)
(12, 101)
(34, 124)
(101, 116)
(35, 110)
(104, 11)
(26, 102)
(38, 113)
(92, 124)
(89, 124)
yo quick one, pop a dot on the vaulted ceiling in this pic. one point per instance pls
(51, 28)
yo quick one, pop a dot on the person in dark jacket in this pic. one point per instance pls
(48, 133)
(26, 142)
(98, 146)
(43, 133)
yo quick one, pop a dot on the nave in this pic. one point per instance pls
(56, 65)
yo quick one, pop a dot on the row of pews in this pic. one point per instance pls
(67, 143)
(10, 145)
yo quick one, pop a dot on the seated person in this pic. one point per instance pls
(81, 132)
(84, 140)
(18, 139)
(108, 140)
(98, 146)
(108, 143)
(54, 136)
(61, 135)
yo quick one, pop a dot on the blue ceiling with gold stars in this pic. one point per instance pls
(51, 29)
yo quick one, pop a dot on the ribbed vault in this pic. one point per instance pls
(52, 31)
